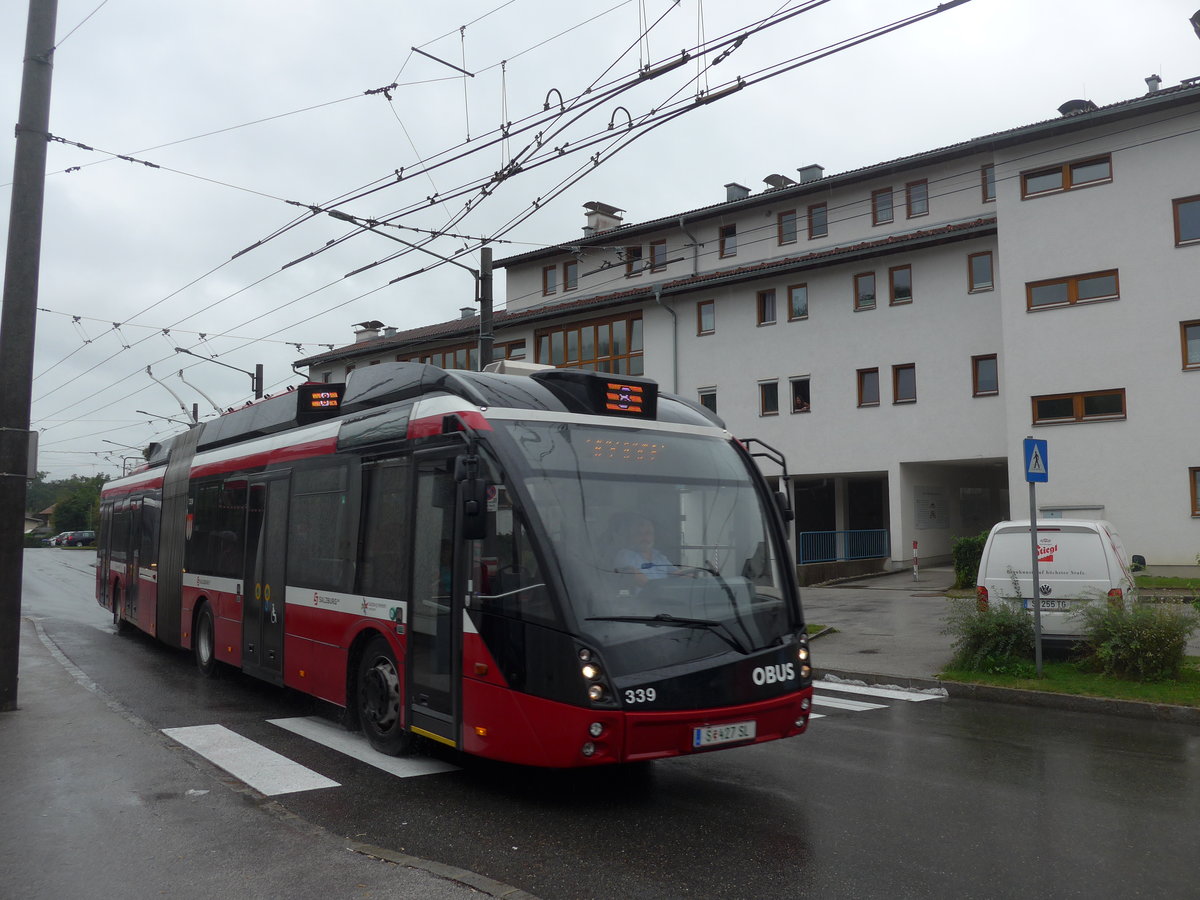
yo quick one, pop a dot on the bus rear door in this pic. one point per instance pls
(264, 586)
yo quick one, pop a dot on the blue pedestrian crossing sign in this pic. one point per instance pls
(1037, 464)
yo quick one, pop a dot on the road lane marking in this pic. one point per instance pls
(841, 703)
(264, 770)
(871, 690)
(355, 745)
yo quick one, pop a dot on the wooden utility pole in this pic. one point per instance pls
(17, 321)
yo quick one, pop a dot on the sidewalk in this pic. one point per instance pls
(888, 630)
(98, 804)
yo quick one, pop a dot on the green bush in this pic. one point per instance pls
(1148, 643)
(966, 552)
(997, 639)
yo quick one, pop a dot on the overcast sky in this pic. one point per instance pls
(256, 110)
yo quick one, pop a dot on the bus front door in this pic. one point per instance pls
(265, 582)
(434, 637)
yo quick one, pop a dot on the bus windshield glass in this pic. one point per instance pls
(662, 541)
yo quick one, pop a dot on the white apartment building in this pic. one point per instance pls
(896, 331)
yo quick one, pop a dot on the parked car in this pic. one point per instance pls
(1079, 562)
(57, 540)
(79, 539)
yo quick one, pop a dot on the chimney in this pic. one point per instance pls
(601, 217)
(811, 173)
(466, 312)
(367, 331)
(735, 191)
(1152, 83)
(389, 331)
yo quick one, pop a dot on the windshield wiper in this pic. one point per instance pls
(720, 629)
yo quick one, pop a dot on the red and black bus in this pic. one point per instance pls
(560, 568)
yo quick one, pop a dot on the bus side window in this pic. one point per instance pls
(382, 566)
(505, 568)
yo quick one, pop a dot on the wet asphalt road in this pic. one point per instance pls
(938, 798)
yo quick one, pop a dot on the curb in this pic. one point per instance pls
(1130, 709)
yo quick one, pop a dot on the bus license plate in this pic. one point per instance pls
(1053, 605)
(711, 735)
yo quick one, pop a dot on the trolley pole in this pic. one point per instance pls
(17, 322)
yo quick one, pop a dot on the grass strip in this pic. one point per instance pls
(1069, 678)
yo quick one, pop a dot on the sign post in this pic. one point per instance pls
(1037, 469)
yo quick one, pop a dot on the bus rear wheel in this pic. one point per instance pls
(204, 643)
(118, 598)
(378, 699)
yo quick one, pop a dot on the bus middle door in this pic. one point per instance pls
(264, 583)
(434, 637)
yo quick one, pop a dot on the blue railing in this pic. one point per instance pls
(834, 546)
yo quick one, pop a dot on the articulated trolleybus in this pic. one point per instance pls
(554, 568)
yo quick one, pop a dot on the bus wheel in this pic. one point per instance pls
(378, 692)
(204, 643)
(121, 626)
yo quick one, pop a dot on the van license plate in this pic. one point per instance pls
(711, 735)
(1052, 605)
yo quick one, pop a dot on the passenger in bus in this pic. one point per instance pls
(638, 556)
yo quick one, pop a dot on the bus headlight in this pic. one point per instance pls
(596, 692)
(591, 671)
(596, 729)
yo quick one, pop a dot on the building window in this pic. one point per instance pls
(801, 398)
(508, 350)
(985, 376)
(868, 387)
(766, 307)
(987, 182)
(979, 271)
(904, 383)
(570, 275)
(728, 235)
(459, 356)
(916, 198)
(881, 206)
(786, 222)
(1194, 478)
(708, 398)
(706, 317)
(612, 345)
(326, 377)
(818, 221)
(1187, 220)
(900, 285)
(864, 291)
(658, 255)
(549, 280)
(1067, 177)
(768, 398)
(1189, 336)
(1075, 289)
(1087, 406)
(797, 302)
(633, 261)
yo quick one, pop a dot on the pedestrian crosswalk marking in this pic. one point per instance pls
(355, 745)
(264, 770)
(841, 703)
(874, 691)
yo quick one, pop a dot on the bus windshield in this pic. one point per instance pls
(662, 542)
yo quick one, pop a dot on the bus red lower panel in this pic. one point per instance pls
(503, 724)
(652, 735)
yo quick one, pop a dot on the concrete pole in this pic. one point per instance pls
(17, 322)
(486, 338)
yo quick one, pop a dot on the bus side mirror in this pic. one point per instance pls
(785, 507)
(472, 497)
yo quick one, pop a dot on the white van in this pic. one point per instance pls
(1079, 561)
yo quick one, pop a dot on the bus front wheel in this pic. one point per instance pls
(378, 695)
(204, 643)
